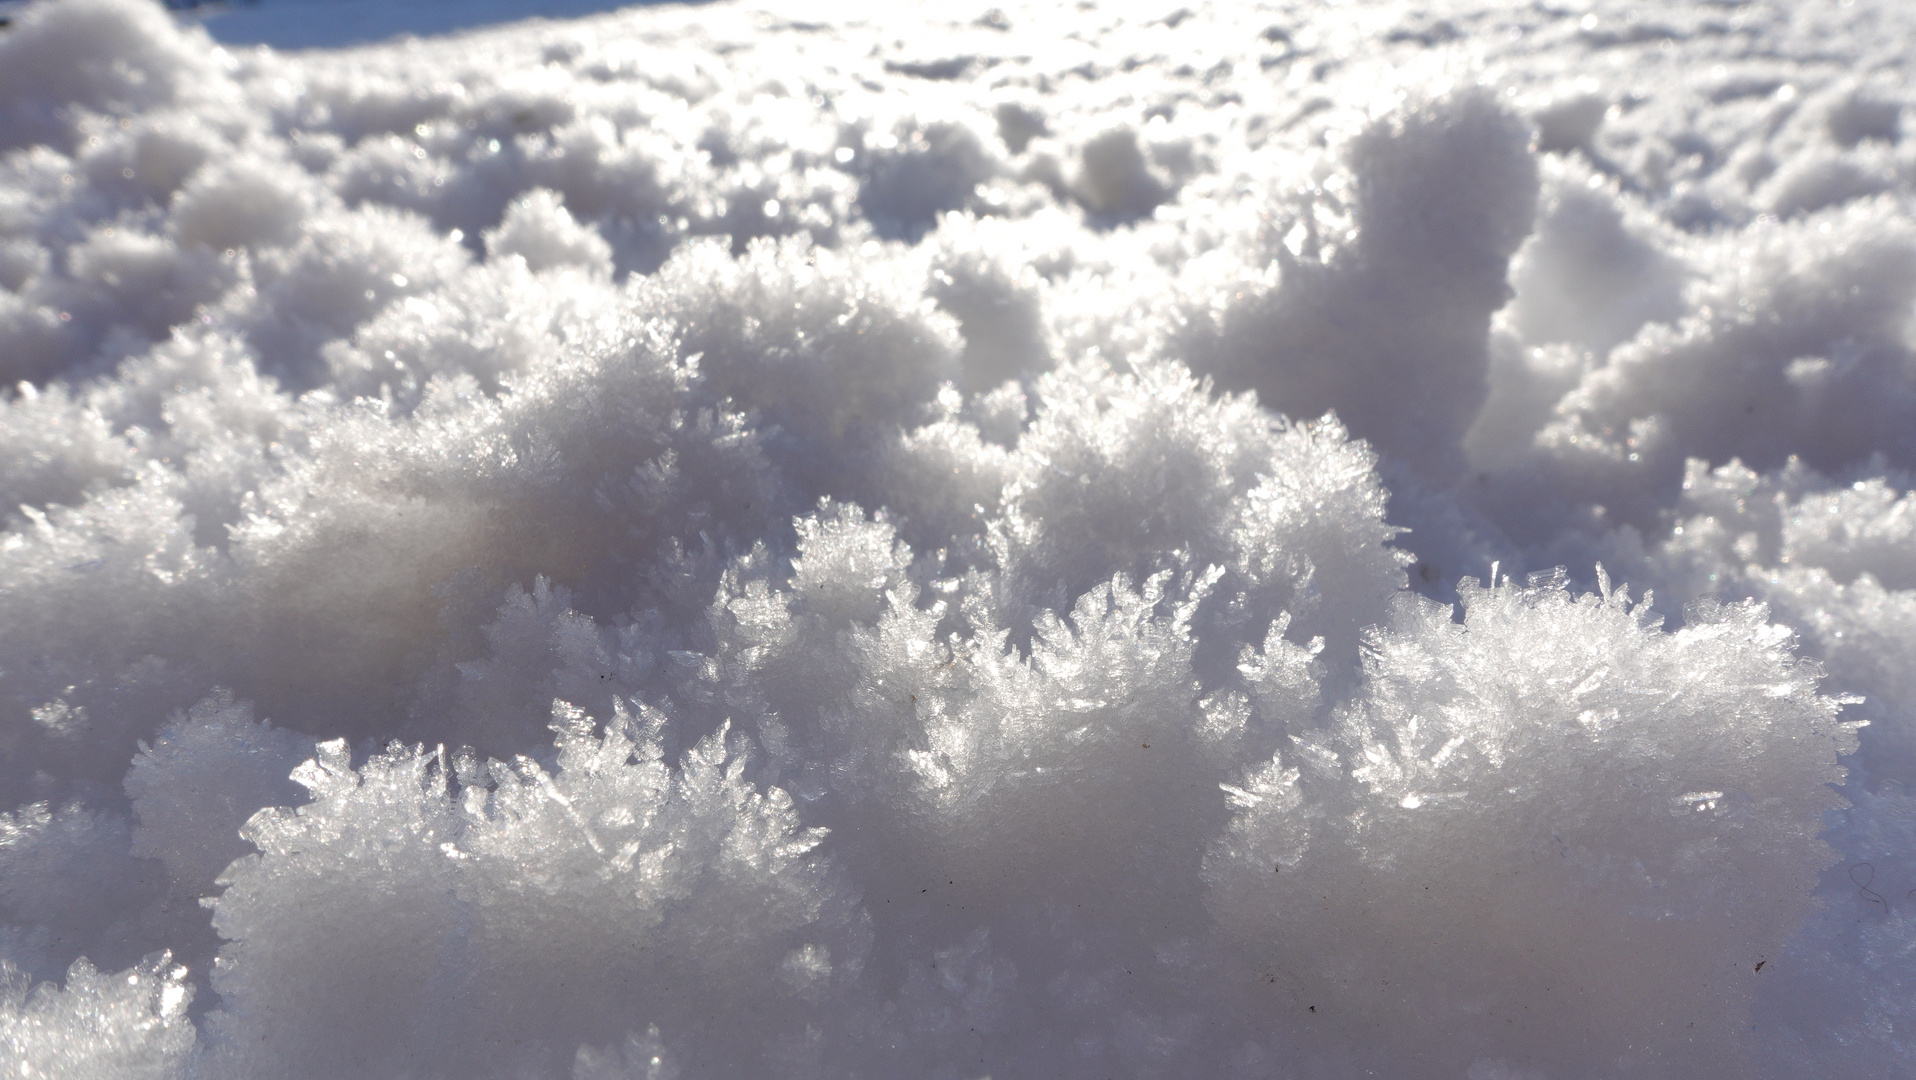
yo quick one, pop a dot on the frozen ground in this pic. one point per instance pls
(1021, 541)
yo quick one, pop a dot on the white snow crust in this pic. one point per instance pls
(1029, 540)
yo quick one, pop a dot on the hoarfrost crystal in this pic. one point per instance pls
(918, 541)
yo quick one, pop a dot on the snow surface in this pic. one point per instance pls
(306, 24)
(1017, 541)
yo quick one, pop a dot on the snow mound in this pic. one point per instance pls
(729, 541)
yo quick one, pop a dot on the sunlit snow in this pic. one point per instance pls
(1064, 540)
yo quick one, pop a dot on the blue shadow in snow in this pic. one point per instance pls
(327, 24)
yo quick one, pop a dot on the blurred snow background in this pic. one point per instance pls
(307, 24)
(1019, 540)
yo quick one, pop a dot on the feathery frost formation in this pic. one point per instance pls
(1019, 542)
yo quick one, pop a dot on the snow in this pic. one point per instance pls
(1240, 540)
(307, 24)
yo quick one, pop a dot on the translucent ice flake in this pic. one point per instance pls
(129, 1025)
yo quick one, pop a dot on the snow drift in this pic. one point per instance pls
(1025, 542)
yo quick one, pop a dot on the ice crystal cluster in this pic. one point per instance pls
(1068, 540)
